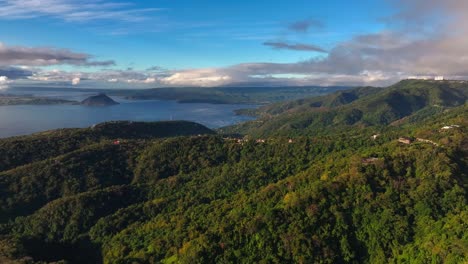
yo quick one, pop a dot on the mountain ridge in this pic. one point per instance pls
(365, 106)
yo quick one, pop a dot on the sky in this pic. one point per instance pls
(206, 43)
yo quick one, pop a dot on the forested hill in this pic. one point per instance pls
(17, 151)
(394, 193)
(326, 101)
(364, 106)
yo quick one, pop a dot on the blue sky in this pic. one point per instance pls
(209, 43)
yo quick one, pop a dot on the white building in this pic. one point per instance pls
(425, 78)
(450, 127)
(439, 78)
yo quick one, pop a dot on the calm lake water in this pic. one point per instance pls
(28, 119)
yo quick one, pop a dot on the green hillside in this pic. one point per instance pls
(332, 100)
(18, 151)
(166, 194)
(358, 107)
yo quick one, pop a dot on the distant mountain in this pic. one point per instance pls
(233, 95)
(364, 106)
(99, 100)
(242, 94)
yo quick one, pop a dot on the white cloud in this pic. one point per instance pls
(199, 77)
(74, 10)
(103, 76)
(433, 41)
(76, 81)
(150, 80)
(4, 82)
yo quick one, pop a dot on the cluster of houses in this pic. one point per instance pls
(261, 140)
(241, 141)
(436, 78)
(408, 140)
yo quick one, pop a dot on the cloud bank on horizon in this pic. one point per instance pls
(421, 38)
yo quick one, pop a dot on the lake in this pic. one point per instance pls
(28, 119)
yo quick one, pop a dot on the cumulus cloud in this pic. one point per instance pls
(123, 76)
(149, 80)
(76, 81)
(4, 82)
(128, 76)
(27, 56)
(297, 46)
(251, 73)
(74, 10)
(53, 76)
(199, 77)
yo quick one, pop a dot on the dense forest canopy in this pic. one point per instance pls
(374, 176)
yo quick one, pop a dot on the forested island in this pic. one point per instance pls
(367, 175)
(99, 100)
(7, 99)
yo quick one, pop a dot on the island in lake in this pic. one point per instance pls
(8, 99)
(99, 100)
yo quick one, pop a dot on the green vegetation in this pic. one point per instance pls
(19, 151)
(30, 100)
(165, 197)
(360, 107)
(327, 101)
